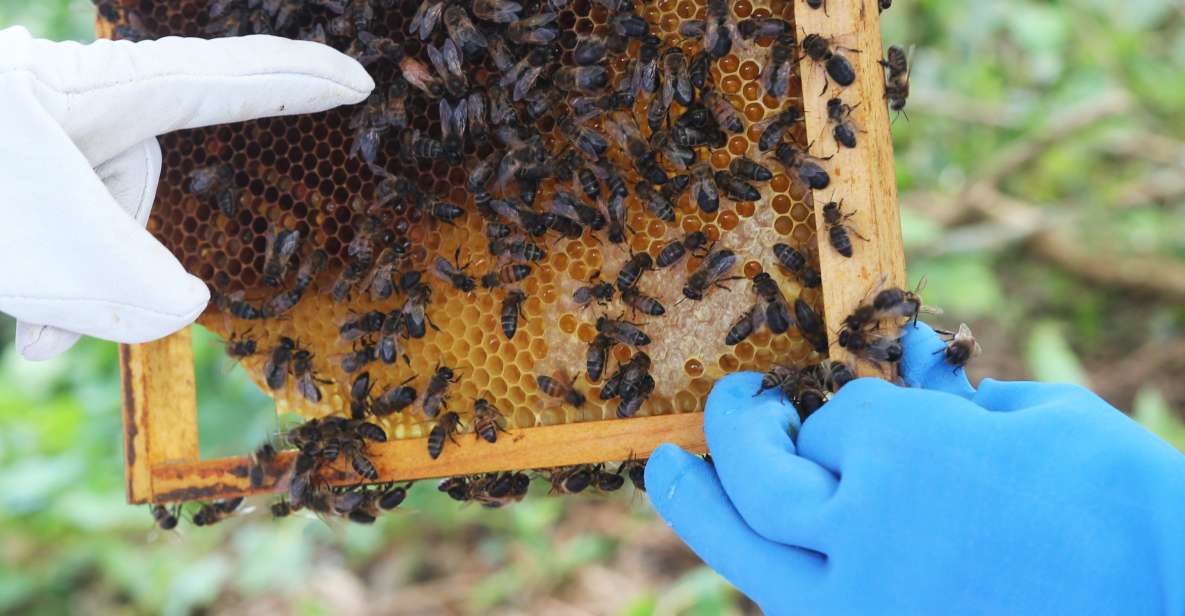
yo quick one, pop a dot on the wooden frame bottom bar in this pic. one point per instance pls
(407, 459)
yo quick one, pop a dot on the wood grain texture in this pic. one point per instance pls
(159, 409)
(865, 177)
(402, 460)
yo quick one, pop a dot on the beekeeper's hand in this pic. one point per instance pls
(79, 166)
(1021, 498)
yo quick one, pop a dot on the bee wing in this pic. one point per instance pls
(288, 244)
(430, 19)
(460, 113)
(452, 58)
(436, 57)
(446, 114)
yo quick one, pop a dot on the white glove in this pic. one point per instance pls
(79, 165)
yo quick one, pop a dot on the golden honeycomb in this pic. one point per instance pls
(299, 173)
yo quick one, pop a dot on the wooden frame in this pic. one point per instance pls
(160, 406)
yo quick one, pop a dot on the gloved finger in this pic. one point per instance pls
(90, 269)
(110, 95)
(924, 363)
(1008, 396)
(779, 494)
(872, 413)
(687, 494)
(131, 178)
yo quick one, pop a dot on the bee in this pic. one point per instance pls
(873, 347)
(213, 513)
(362, 465)
(605, 481)
(368, 431)
(628, 24)
(600, 292)
(803, 165)
(369, 48)
(435, 396)
(475, 107)
(570, 206)
(743, 327)
(582, 79)
(394, 400)
(583, 138)
(363, 324)
(625, 131)
(380, 282)
(807, 396)
(360, 395)
(782, 377)
(361, 355)
(746, 168)
(447, 61)
(165, 518)
(810, 325)
(698, 69)
(452, 127)
(640, 302)
(590, 50)
(306, 379)
(517, 249)
(897, 82)
(524, 74)
(832, 374)
(445, 427)
(425, 19)
(497, 11)
(645, 77)
(240, 346)
(776, 73)
(418, 75)
(673, 152)
(676, 249)
(777, 310)
(636, 471)
(838, 113)
(454, 273)
(462, 32)
(629, 380)
(629, 405)
(216, 180)
(775, 128)
(961, 346)
(794, 261)
(508, 274)
(837, 231)
(456, 487)
(310, 268)
(712, 272)
(560, 386)
(632, 270)
(281, 509)
(764, 27)
(703, 188)
(885, 5)
(616, 211)
(263, 457)
(487, 421)
(276, 369)
(499, 489)
(570, 480)
(898, 303)
(535, 30)
(735, 188)
(657, 204)
(723, 111)
(392, 498)
(676, 82)
(236, 306)
(622, 331)
(512, 309)
(838, 68)
(715, 33)
(597, 356)
(414, 312)
(413, 144)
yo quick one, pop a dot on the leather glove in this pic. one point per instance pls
(80, 164)
(1018, 498)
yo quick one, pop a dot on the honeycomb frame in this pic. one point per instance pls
(160, 410)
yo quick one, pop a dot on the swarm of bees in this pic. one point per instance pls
(559, 138)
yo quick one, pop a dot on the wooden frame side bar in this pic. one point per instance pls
(407, 459)
(865, 177)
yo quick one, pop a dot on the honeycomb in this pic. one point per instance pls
(299, 173)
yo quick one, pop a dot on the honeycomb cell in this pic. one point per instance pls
(305, 173)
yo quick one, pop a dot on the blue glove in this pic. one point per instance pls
(1021, 498)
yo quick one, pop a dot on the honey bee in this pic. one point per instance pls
(645, 77)
(582, 79)
(535, 30)
(628, 24)
(625, 131)
(810, 325)
(640, 302)
(446, 60)
(218, 181)
(164, 517)
(234, 304)
(961, 347)
(426, 17)
(414, 310)
(663, 142)
(487, 420)
(715, 32)
(394, 400)
(676, 82)
(712, 272)
(361, 355)
(636, 471)
(240, 346)
(213, 513)
(803, 165)
(452, 127)
(764, 27)
(362, 465)
(306, 379)
(616, 211)
(899, 303)
(597, 356)
(782, 377)
(833, 374)
(310, 268)
(360, 395)
(263, 457)
(622, 331)
(462, 32)
(393, 497)
(743, 327)
(570, 480)
(735, 188)
(703, 188)
(367, 431)
(605, 481)
(380, 281)
(837, 231)
(524, 74)
(746, 168)
(629, 405)
(454, 273)
(807, 396)
(456, 487)
(435, 396)
(632, 270)
(369, 48)
(723, 111)
(361, 325)
(777, 310)
(590, 50)
(657, 204)
(838, 113)
(570, 206)
(497, 11)
(897, 81)
(560, 386)
(600, 292)
(420, 77)
(674, 250)
(776, 127)
(276, 369)
(698, 69)
(838, 67)
(512, 308)
(873, 347)
(508, 274)
(583, 138)
(445, 427)
(629, 380)
(776, 73)
(794, 261)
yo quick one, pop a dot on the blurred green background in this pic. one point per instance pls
(1042, 174)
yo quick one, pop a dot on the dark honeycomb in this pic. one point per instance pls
(298, 173)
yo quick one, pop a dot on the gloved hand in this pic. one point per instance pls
(1020, 498)
(80, 164)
